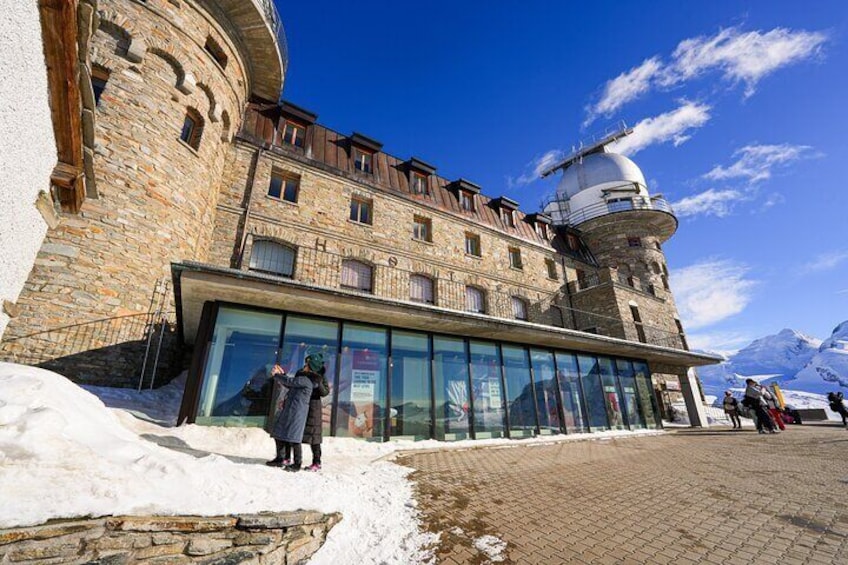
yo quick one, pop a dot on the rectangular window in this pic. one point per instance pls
(519, 308)
(192, 128)
(284, 186)
(486, 390)
(419, 184)
(508, 218)
(294, 134)
(356, 275)
(363, 161)
(422, 229)
(421, 289)
(634, 242)
(637, 321)
(472, 244)
(475, 300)
(542, 231)
(552, 269)
(99, 78)
(410, 385)
(466, 201)
(360, 210)
(450, 385)
(515, 258)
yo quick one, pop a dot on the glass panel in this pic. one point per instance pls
(570, 393)
(647, 399)
(546, 391)
(595, 404)
(236, 389)
(362, 382)
(450, 373)
(271, 257)
(635, 417)
(356, 275)
(410, 406)
(310, 335)
(474, 301)
(612, 394)
(486, 390)
(519, 393)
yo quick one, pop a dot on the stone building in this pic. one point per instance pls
(222, 222)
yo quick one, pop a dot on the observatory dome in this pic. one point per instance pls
(599, 169)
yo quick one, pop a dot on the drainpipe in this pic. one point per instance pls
(248, 196)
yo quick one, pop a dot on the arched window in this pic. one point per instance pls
(192, 128)
(272, 257)
(356, 275)
(421, 289)
(519, 308)
(475, 300)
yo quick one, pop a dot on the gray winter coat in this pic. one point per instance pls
(313, 433)
(292, 417)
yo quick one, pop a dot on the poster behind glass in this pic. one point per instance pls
(521, 403)
(363, 370)
(546, 390)
(632, 408)
(486, 390)
(612, 393)
(450, 376)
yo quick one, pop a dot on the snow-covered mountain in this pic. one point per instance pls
(794, 360)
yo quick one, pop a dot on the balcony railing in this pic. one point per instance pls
(272, 16)
(561, 212)
(323, 269)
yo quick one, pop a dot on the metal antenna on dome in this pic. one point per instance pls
(594, 143)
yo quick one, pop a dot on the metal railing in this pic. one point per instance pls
(559, 208)
(275, 22)
(323, 269)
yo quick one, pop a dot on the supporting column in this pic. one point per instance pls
(692, 396)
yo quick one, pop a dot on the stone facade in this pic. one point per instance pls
(285, 538)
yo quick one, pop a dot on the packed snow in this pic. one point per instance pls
(64, 453)
(493, 547)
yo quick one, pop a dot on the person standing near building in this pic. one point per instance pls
(291, 421)
(754, 400)
(773, 407)
(731, 408)
(313, 432)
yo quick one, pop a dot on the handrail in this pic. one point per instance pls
(559, 207)
(275, 22)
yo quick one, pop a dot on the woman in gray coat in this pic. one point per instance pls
(291, 421)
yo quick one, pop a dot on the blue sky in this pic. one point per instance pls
(739, 110)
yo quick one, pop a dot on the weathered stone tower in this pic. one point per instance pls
(170, 80)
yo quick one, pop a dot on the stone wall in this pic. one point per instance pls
(285, 538)
(157, 195)
(27, 148)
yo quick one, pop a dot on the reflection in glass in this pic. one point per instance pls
(570, 393)
(362, 382)
(410, 406)
(612, 394)
(595, 403)
(450, 374)
(486, 390)
(546, 390)
(236, 388)
(645, 390)
(519, 392)
(632, 408)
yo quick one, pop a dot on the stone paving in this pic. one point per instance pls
(691, 496)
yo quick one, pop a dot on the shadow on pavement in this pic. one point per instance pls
(177, 444)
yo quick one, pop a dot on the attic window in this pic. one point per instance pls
(419, 184)
(508, 217)
(466, 200)
(213, 48)
(363, 161)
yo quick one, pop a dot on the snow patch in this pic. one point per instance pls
(492, 546)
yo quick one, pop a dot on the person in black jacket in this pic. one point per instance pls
(836, 404)
(731, 408)
(312, 433)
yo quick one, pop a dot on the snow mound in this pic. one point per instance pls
(492, 546)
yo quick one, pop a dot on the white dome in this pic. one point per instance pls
(599, 169)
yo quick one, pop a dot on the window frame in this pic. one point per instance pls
(99, 80)
(193, 135)
(508, 217)
(367, 159)
(482, 294)
(542, 230)
(350, 261)
(474, 239)
(514, 300)
(361, 204)
(417, 178)
(432, 288)
(427, 224)
(515, 258)
(285, 178)
(259, 243)
(634, 241)
(466, 196)
(553, 272)
(296, 128)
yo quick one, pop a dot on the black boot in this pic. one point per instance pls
(293, 468)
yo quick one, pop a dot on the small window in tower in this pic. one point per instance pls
(658, 246)
(637, 321)
(99, 78)
(515, 258)
(213, 48)
(192, 128)
(634, 242)
(419, 184)
(284, 186)
(363, 161)
(294, 134)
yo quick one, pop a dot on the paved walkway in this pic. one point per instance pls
(691, 496)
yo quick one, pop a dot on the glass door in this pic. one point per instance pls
(486, 390)
(544, 376)
(409, 411)
(363, 370)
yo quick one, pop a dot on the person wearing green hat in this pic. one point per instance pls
(313, 433)
(291, 420)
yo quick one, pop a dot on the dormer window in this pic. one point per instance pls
(363, 161)
(506, 208)
(419, 176)
(466, 200)
(542, 231)
(363, 150)
(419, 184)
(294, 134)
(508, 218)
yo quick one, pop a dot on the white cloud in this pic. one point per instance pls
(710, 291)
(722, 342)
(745, 57)
(534, 169)
(741, 57)
(670, 126)
(711, 202)
(625, 87)
(826, 261)
(756, 162)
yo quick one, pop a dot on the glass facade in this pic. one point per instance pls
(393, 383)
